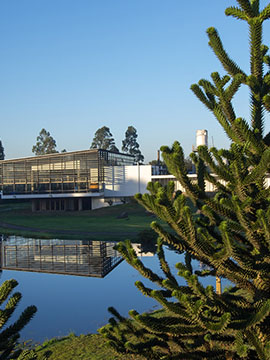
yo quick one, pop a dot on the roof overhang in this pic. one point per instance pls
(52, 196)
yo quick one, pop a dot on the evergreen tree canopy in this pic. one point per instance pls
(2, 153)
(9, 333)
(229, 233)
(130, 145)
(156, 162)
(45, 144)
(103, 139)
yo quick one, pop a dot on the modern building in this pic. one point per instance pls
(83, 180)
(78, 180)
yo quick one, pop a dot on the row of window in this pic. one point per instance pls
(70, 172)
(51, 187)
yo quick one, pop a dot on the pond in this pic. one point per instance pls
(72, 283)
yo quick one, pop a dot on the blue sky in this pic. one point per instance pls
(74, 66)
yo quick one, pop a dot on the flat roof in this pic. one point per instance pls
(65, 153)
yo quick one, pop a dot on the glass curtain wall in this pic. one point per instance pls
(80, 171)
(69, 257)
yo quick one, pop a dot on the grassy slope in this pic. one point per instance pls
(83, 347)
(103, 223)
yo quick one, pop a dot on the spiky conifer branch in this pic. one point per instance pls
(230, 235)
(10, 334)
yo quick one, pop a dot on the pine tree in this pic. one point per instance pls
(9, 333)
(45, 144)
(2, 152)
(103, 139)
(229, 233)
(131, 146)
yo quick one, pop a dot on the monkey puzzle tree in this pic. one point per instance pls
(9, 333)
(230, 233)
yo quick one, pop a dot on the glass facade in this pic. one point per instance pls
(68, 257)
(80, 171)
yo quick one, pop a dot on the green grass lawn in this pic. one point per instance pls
(83, 347)
(102, 223)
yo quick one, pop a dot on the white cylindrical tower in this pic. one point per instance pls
(201, 138)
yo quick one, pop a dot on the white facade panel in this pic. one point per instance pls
(98, 203)
(122, 181)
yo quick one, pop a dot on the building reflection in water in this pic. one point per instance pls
(70, 257)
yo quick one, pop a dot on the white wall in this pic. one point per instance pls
(121, 181)
(164, 179)
(98, 203)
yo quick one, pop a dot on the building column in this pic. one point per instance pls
(80, 204)
(34, 205)
(43, 205)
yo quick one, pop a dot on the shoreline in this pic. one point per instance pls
(111, 223)
(7, 229)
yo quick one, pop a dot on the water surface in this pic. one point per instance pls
(72, 283)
